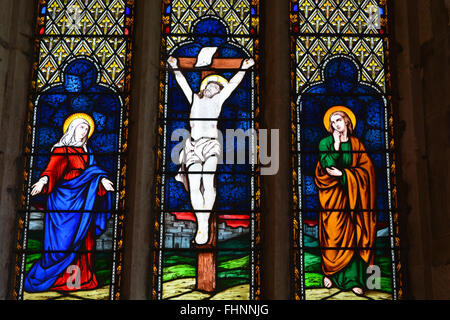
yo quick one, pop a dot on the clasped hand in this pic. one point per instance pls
(334, 172)
(173, 62)
(108, 185)
(248, 63)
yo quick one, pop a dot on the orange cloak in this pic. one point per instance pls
(347, 222)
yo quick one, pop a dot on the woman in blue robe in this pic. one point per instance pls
(78, 205)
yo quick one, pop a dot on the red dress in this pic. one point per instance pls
(68, 163)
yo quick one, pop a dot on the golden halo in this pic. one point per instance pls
(215, 78)
(326, 118)
(84, 116)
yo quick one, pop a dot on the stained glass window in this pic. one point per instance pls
(345, 218)
(208, 218)
(69, 244)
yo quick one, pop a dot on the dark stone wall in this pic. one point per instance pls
(420, 58)
(275, 110)
(141, 165)
(16, 58)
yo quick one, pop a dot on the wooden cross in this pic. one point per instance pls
(207, 255)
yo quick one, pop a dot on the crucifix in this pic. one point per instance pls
(202, 150)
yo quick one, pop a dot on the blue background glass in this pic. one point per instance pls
(233, 189)
(342, 87)
(79, 93)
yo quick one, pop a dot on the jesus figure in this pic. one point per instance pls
(202, 149)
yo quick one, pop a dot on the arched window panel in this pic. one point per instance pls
(207, 229)
(70, 219)
(345, 214)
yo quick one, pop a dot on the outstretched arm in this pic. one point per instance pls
(236, 80)
(182, 82)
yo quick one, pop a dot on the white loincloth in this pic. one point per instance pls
(196, 152)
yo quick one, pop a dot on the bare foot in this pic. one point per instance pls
(358, 291)
(202, 229)
(327, 283)
(201, 238)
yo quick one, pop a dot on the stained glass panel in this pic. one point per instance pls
(72, 210)
(345, 221)
(207, 230)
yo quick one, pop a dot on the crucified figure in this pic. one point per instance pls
(202, 149)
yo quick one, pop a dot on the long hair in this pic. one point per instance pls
(68, 139)
(201, 94)
(347, 121)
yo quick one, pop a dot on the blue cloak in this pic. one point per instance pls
(65, 232)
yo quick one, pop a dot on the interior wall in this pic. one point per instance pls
(141, 158)
(421, 57)
(16, 58)
(275, 110)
